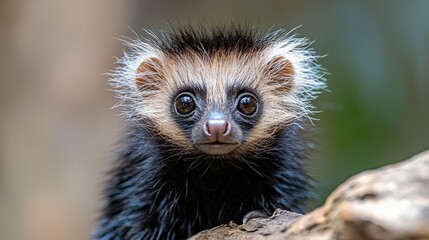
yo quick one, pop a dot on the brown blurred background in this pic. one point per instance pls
(57, 133)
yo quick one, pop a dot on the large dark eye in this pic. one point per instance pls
(185, 104)
(247, 104)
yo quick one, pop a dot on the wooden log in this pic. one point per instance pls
(391, 202)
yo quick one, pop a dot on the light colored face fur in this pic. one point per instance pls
(284, 74)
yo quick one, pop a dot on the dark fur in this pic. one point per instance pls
(237, 38)
(159, 194)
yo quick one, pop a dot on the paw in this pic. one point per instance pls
(255, 214)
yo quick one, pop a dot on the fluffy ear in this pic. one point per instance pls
(281, 74)
(149, 74)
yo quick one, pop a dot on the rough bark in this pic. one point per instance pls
(391, 202)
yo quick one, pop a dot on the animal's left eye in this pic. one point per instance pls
(247, 104)
(185, 104)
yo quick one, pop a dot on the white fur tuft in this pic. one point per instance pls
(308, 76)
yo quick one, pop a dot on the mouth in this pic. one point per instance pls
(217, 147)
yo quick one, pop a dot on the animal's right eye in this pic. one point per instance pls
(185, 104)
(247, 104)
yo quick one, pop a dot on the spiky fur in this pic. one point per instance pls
(163, 188)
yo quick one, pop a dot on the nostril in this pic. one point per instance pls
(206, 129)
(227, 129)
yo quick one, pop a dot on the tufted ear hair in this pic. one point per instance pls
(281, 74)
(149, 74)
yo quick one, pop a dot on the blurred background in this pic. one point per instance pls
(57, 131)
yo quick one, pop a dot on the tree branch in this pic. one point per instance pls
(391, 202)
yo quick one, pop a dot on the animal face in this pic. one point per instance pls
(219, 94)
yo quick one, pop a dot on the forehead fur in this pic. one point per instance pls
(235, 38)
(215, 60)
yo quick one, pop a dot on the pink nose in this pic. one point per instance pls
(218, 128)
